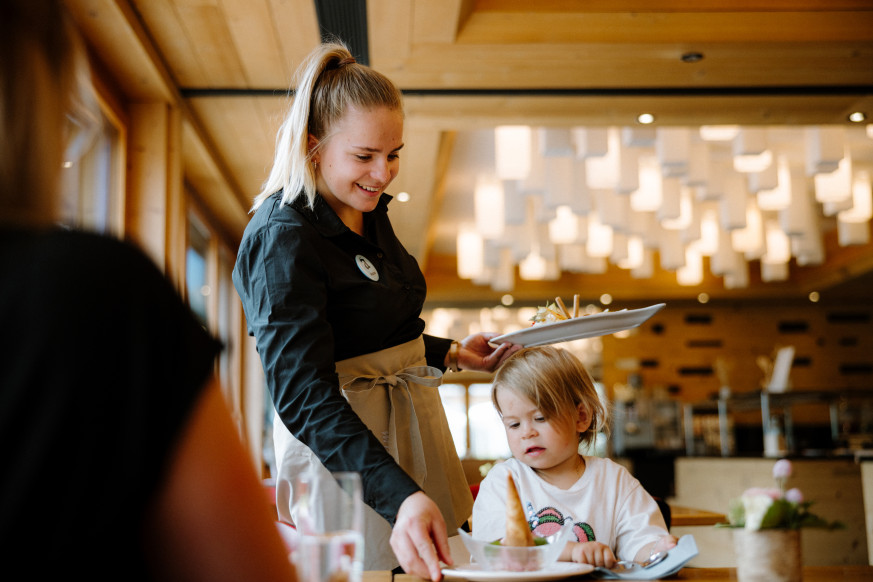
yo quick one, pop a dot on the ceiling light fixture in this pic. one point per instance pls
(691, 57)
(857, 117)
(646, 118)
(632, 195)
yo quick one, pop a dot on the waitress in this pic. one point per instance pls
(334, 302)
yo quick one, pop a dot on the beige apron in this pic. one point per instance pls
(396, 395)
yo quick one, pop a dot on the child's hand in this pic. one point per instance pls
(593, 553)
(663, 544)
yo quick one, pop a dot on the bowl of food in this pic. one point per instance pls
(494, 556)
(519, 550)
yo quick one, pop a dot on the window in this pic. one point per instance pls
(487, 436)
(212, 298)
(92, 183)
(474, 423)
(454, 398)
(196, 264)
(228, 331)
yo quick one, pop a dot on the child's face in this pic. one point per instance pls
(542, 445)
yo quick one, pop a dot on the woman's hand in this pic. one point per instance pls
(419, 537)
(593, 553)
(476, 353)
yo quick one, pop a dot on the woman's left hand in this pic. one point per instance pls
(477, 354)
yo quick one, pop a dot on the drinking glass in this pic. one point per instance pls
(329, 516)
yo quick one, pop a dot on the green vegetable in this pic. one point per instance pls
(537, 542)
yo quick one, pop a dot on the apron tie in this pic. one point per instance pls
(399, 433)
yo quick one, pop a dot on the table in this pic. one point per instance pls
(682, 516)
(810, 574)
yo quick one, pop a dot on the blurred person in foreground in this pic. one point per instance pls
(120, 460)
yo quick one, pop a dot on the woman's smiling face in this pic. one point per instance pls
(358, 160)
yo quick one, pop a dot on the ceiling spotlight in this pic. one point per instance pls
(814, 296)
(507, 300)
(606, 299)
(403, 197)
(645, 118)
(703, 298)
(857, 117)
(691, 57)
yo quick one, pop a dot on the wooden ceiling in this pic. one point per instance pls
(473, 64)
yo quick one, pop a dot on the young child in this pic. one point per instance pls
(549, 406)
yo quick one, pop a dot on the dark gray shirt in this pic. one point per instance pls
(314, 293)
(100, 368)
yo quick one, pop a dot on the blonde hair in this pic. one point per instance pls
(329, 81)
(556, 382)
(44, 82)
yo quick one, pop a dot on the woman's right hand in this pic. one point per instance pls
(419, 537)
(476, 353)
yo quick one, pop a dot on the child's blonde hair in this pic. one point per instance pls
(556, 382)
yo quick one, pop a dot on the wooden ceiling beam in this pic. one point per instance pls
(578, 25)
(670, 5)
(475, 112)
(114, 31)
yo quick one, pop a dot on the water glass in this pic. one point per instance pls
(329, 514)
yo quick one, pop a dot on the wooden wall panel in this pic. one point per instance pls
(678, 349)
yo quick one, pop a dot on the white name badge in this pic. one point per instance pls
(367, 268)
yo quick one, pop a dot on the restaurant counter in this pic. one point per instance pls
(810, 574)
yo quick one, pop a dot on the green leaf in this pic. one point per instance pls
(736, 513)
(777, 514)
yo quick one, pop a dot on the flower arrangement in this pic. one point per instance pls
(775, 508)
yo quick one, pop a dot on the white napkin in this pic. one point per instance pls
(676, 558)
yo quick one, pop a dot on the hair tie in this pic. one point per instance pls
(349, 60)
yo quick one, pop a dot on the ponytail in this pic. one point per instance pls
(329, 81)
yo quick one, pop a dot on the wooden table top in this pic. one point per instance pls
(810, 574)
(681, 516)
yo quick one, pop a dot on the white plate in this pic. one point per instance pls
(603, 323)
(474, 572)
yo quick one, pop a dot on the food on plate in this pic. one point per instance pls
(548, 314)
(563, 307)
(556, 311)
(518, 532)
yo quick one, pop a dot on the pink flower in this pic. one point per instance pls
(794, 495)
(782, 469)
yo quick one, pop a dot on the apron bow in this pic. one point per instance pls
(400, 434)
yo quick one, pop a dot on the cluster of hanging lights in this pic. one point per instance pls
(577, 199)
